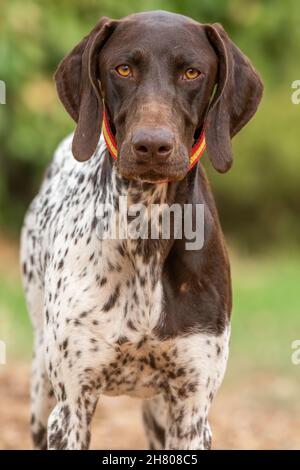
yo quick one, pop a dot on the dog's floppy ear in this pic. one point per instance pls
(77, 87)
(239, 91)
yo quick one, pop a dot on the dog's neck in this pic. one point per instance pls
(132, 195)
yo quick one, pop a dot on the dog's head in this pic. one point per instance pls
(161, 77)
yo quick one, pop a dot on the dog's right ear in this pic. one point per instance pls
(77, 86)
(238, 94)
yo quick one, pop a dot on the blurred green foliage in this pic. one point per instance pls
(258, 199)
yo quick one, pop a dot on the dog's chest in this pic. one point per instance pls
(130, 306)
(120, 302)
(139, 369)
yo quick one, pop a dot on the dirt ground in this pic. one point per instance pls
(260, 412)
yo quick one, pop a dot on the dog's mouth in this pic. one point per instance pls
(153, 176)
(152, 171)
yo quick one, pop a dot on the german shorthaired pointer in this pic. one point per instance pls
(141, 317)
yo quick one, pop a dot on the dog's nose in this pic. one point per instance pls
(156, 143)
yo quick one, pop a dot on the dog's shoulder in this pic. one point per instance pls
(64, 188)
(65, 165)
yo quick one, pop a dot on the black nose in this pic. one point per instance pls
(156, 143)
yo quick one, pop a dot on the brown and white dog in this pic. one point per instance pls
(142, 317)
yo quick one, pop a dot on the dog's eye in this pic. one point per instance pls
(191, 74)
(123, 70)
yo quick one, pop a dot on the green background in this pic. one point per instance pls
(258, 199)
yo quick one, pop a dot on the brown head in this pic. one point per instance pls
(162, 77)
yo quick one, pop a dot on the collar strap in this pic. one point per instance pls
(196, 152)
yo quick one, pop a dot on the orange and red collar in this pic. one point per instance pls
(196, 152)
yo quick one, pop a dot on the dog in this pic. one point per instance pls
(141, 317)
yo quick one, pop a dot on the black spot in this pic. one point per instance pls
(135, 298)
(122, 340)
(120, 250)
(141, 342)
(152, 361)
(152, 425)
(24, 269)
(81, 178)
(60, 264)
(112, 299)
(131, 325)
(40, 438)
(63, 391)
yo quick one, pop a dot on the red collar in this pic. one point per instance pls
(197, 149)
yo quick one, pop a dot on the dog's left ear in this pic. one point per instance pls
(77, 86)
(238, 94)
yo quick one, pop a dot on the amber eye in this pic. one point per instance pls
(191, 74)
(123, 70)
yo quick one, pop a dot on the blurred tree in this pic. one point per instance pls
(258, 198)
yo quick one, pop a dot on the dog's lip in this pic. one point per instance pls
(152, 176)
(154, 173)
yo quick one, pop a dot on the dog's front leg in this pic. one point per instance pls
(200, 362)
(69, 425)
(77, 392)
(187, 427)
(74, 361)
